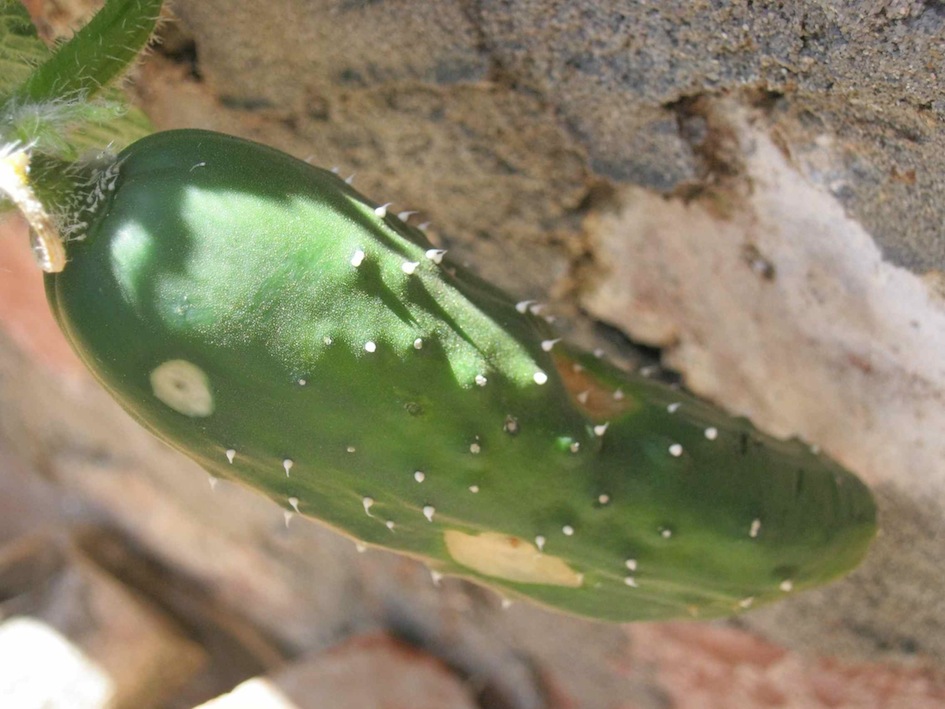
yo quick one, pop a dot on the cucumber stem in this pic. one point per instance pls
(46, 242)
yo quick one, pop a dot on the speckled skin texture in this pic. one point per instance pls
(285, 323)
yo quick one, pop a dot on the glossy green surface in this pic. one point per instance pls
(348, 373)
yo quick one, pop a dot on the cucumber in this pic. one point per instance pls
(284, 331)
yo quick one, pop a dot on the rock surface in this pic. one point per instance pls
(371, 672)
(754, 188)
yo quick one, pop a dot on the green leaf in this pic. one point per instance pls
(95, 57)
(21, 49)
(63, 106)
(116, 133)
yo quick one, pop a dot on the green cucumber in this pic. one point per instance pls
(284, 331)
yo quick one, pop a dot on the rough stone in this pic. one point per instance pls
(705, 666)
(581, 151)
(609, 75)
(371, 672)
(111, 646)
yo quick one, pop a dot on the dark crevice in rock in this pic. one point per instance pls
(176, 44)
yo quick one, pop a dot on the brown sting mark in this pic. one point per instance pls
(593, 397)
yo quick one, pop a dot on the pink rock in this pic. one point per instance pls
(703, 666)
(367, 672)
(24, 314)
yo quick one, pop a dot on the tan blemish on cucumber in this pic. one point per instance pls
(184, 387)
(591, 395)
(510, 558)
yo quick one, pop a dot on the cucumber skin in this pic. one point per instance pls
(239, 259)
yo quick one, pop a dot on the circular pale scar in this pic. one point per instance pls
(510, 558)
(183, 386)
